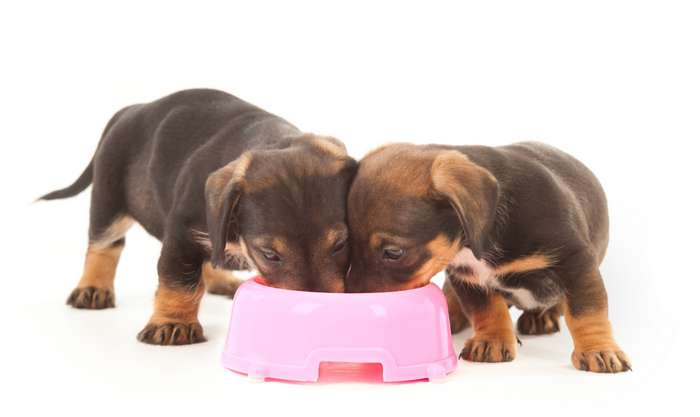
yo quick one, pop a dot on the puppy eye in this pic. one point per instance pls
(339, 246)
(270, 255)
(393, 253)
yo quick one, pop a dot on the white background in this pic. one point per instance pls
(615, 83)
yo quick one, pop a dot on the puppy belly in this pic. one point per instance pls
(533, 290)
(522, 298)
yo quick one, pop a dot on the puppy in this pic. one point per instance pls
(522, 225)
(223, 185)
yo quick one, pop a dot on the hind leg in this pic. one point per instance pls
(458, 320)
(538, 322)
(219, 281)
(108, 226)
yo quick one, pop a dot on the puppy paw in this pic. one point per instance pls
(172, 334)
(538, 322)
(226, 288)
(483, 349)
(92, 298)
(604, 361)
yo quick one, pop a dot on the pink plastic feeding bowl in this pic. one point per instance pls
(284, 334)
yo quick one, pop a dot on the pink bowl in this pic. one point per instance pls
(285, 334)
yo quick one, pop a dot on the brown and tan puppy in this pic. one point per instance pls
(523, 225)
(222, 184)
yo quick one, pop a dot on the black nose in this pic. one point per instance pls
(325, 284)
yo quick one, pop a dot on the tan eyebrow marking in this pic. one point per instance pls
(333, 235)
(442, 251)
(375, 240)
(276, 243)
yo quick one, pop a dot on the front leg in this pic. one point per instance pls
(586, 313)
(494, 339)
(180, 289)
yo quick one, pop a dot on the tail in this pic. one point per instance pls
(74, 189)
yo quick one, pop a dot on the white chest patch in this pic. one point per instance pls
(466, 267)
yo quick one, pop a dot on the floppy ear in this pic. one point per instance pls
(471, 191)
(222, 192)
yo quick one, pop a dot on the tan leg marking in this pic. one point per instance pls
(494, 339)
(219, 281)
(176, 305)
(96, 287)
(174, 320)
(595, 348)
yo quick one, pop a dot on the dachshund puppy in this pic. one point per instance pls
(523, 225)
(224, 185)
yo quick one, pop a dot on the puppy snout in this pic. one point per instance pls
(355, 283)
(337, 285)
(323, 283)
(353, 288)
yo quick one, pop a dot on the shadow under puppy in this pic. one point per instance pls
(223, 184)
(523, 225)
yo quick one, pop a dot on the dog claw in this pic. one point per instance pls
(606, 361)
(479, 350)
(91, 298)
(172, 334)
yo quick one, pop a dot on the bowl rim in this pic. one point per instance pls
(259, 282)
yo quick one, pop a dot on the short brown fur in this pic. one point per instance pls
(402, 167)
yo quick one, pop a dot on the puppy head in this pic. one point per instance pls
(285, 209)
(410, 210)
